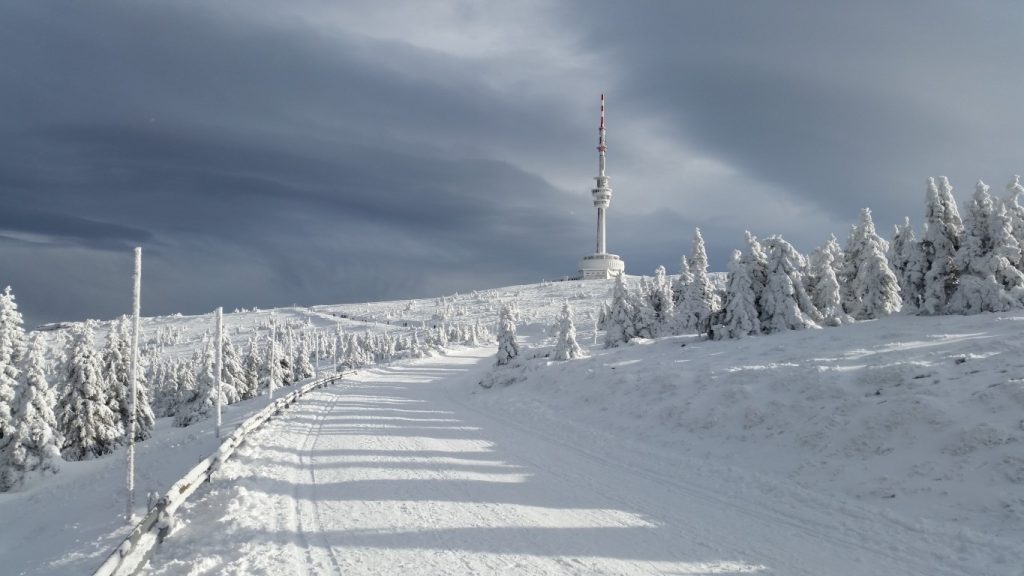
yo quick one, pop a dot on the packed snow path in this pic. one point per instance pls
(400, 472)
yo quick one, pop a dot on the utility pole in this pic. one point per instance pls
(220, 361)
(133, 371)
(273, 360)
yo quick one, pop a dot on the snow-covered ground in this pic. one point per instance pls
(883, 447)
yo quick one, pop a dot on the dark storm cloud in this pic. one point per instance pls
(242, 144)
(845, 105)
(266, 153)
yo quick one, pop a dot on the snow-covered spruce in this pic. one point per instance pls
(988, 282)
(825, 293)
(784, 304)
(872, 286)
(660, 299)
(741, 316)
(12, 339)
(508, 348)
(89, 427)
(116, 359)
(34, 446)
(904, 257)
(619, 327)
(1016, 214)
(940, 243)
(566, 347)
(682, 282)
(699, 300)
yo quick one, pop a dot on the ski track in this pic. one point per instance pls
(400, 471)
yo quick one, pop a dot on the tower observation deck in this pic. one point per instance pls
(601, 264)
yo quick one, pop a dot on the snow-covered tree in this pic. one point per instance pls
(1015, 213)
(34, 445)
(898, 253)
(252, 364)
(989, 282)
(756, 261)
(508, 348)
(699, 299)
(940, 243)
(784, 304)
(116, 359)
(619, 327)
(89, 427)
(682, 282)
(905, 258)
(232, 374)
(660, 297)
(12, 339)
(825, 293)
(566, 347)
(303, 367)
(741, 315)
(873, 288)
(200, 404)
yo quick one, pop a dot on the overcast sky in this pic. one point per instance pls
(270, 153)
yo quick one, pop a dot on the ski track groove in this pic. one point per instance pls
(310, 500)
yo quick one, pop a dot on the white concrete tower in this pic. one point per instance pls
(601, 264)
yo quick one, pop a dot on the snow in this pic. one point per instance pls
(883, 447)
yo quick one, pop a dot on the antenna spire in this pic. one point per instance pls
(601, 145)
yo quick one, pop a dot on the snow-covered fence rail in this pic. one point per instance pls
(131, 555)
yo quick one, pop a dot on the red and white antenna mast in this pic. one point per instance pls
(602, 147)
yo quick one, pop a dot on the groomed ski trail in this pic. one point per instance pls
(399, 472)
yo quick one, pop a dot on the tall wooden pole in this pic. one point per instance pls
(220, 361)
(133, 371)
(273, 360)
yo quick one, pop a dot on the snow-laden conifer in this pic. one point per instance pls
(660, 297)
(874, 290)
(200, 404)
(898, 254)
(252, 364)
(232, 377)
(756, 261)
(12, 341)
(303, 367)
(116, 359)
(825, 294)
(34, 446)
(186, 390)
(699, 301)
(619, 327)
(566, 347)
(1015, 213)
(741, 315)
(88, 425)
(784, 304)
(644, 321)
(940, 243)
(988, 282)
(508, 348)
(682, 282)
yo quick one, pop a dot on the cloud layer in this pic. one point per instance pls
(268, 154)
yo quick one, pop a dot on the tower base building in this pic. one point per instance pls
(601, 265)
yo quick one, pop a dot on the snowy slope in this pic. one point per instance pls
(908, 426)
